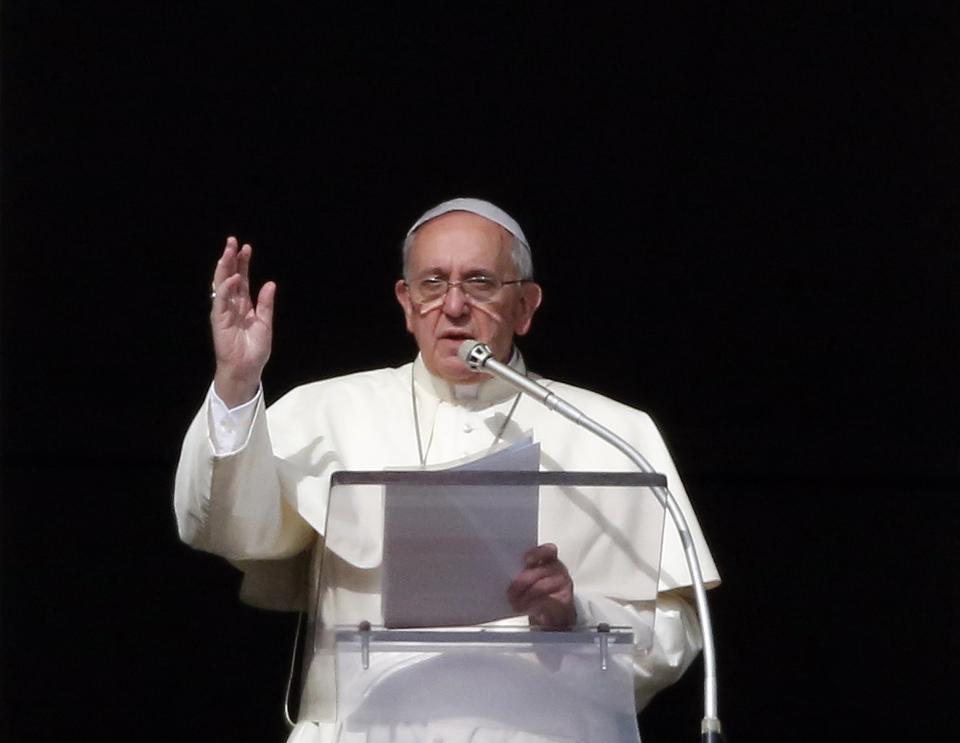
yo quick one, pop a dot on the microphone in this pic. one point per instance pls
(478, 357)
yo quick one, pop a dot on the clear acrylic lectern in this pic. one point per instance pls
(413, 635)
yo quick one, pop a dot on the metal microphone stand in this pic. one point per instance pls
(478, 356)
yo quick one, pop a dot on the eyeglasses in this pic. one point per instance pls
(478, 288)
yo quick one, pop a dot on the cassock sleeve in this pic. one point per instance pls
(676, 639)
(236, 505)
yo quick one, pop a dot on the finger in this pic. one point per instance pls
(225, 299)
(554, 586)
(541, 554)
(227, 265)
(243, 262)
(551, 613)
(527, 578)
(549, 603)
(265, 303)
(243, 268)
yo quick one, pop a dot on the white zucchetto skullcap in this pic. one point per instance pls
(475, 206)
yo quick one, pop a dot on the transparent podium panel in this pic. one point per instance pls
(423, 561)
(539, 685)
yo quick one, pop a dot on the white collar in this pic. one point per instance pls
(491, 390)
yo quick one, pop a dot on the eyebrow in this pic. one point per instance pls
(436, 271)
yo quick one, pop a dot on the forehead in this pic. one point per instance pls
(459, 241)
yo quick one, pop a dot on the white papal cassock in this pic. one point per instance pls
(252, 486)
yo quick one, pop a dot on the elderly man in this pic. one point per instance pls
(253, 484)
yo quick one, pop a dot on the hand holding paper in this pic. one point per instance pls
(450, 552)
(544, 589)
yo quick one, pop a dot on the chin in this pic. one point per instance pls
(453, 370)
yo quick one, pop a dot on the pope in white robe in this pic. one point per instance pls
(253, 483)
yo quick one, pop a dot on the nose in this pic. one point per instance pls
(455, 301)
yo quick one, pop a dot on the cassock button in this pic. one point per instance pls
(467, 428)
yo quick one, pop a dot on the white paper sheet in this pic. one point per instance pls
(450, 553)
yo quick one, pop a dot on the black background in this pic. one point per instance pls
(745, 221)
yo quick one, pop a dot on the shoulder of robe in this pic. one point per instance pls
(342, 393)
(600, 407)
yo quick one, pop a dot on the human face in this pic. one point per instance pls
(455, 246)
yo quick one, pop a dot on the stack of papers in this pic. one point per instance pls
(450, 552)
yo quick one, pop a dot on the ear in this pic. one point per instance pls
(531, 295)
(403, 297)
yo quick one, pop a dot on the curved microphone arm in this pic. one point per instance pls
(479, 357)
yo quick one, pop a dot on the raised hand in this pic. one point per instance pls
(242, 330)
(544, 589)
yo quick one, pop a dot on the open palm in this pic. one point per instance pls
(242, 329)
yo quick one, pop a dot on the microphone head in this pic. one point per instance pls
(474, 354)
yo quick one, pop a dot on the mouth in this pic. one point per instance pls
(455, 338)
(456, 335)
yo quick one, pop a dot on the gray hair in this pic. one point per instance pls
(519, 247)
(519, 252)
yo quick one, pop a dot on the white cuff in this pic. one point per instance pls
(229, 428)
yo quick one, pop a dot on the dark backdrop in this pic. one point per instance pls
(745, 221)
